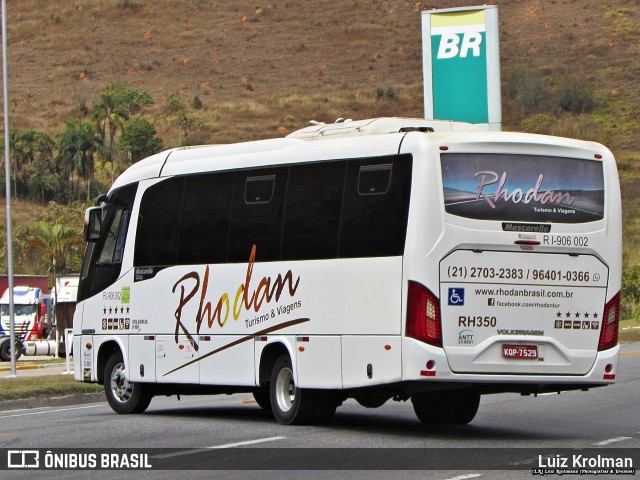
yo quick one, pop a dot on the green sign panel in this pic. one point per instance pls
(461, 64)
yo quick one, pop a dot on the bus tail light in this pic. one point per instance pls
(610, 322)
(423, 315)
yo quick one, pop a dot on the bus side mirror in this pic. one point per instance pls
(92, 224)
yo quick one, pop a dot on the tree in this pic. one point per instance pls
(33, 151)
(138, 138)
(109, 113)
(78, 145)
(112, 109)
(135, 100)
(187, 122)
(55, 243)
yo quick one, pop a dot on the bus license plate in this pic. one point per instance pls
(522, 352)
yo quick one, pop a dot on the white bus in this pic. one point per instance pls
(382, 259)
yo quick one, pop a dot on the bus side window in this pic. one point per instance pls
(204, 218)
(312, 212)
(256, 214)
(159, 224)
(376, 207)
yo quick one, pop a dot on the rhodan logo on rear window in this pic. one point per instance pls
(526, 188)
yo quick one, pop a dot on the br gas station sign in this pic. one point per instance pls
(461, 63)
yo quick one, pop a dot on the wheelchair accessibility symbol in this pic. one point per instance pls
(456, 296)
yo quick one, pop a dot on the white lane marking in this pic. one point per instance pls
(41, 412)
(216, 447)
(464, 477)
(611, 440)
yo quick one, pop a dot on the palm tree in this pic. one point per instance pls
(112, 109)
(33, 153)
(109, 113)
(77, 147)
(54, 242)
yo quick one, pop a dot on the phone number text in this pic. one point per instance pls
(536, 274)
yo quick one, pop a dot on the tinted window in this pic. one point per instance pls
(374, 223)
(530, 188)
(256, 216)
(159, 224)
(259, 189)
(374, 179)
(113, 246)
(345, 208)
(204, 220)
(312, 212)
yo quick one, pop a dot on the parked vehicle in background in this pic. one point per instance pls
(32, 326)
(65, 297)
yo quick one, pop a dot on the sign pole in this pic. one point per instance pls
(12, 328)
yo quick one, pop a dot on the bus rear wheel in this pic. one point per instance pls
(449, 407)
(297, 406)
(123, 396)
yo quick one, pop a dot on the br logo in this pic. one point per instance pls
(452, 46)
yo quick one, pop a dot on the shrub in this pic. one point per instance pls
(575, 95)
(527, 87)
(540, 123)
(631, 282)
(130, 4)
(389, 94)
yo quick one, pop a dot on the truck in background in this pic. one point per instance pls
(32, 327)
(64, 299)
(55, 314)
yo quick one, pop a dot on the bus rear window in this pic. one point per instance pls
(529, 188)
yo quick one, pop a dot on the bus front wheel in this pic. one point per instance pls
(293, 405)
(449, 407)
(123, 396)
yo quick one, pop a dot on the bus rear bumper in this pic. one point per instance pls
(425, 363)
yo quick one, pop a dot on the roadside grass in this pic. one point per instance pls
(22, 361)
(629, 331)
(43, 387)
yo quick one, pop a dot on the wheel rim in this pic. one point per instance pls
(285, 389)
(122, 389)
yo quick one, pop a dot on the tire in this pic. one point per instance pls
(123, 396)
(298, 406)
(5, 350)
(262, 397)
(450, 407)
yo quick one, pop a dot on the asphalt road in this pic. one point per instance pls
(232, 430)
